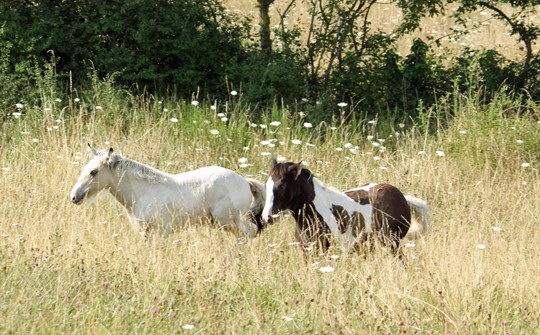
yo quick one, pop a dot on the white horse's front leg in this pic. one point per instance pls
(143, 227)
(248, 228)
(230, 220)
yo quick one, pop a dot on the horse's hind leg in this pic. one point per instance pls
(256, 218)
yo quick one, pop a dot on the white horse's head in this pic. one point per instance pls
(96, 176)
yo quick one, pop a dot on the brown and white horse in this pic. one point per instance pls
(378, 210)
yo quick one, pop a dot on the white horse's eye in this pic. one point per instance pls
(93, 173)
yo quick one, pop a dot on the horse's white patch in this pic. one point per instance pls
(267, 211)
(325, 198)
(366, 188)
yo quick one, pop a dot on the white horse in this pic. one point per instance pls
(162, 201)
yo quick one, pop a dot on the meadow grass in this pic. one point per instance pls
(82, 269)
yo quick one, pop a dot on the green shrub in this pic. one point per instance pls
(182, 44)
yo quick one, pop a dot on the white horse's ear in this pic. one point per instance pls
(92, 150)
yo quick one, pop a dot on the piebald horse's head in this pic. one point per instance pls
(289, 185)
(96, 176)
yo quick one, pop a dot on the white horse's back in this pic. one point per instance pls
(217, 186)
(220, 193)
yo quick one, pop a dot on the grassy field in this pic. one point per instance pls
(69, 269)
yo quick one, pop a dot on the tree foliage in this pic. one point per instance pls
(184, 44)
(197, 46)
(513, 13)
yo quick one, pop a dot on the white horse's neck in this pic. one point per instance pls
(139, 170)
(132, 179)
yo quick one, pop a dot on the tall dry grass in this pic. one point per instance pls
(71, 269)
(483, 29)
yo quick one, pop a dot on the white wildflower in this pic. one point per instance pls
(326, 269)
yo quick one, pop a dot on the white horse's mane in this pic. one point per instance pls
(134, 168)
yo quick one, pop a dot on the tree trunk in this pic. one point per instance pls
(264, 25)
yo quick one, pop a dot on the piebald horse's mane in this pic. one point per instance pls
(280, 170)
(133, 168)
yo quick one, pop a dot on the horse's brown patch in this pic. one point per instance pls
(344, 220)
(391, 213)
(360, 196)
(342, 217)
(358, 225)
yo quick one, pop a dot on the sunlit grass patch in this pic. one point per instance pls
(84, 269)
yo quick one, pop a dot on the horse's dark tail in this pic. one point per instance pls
(258, 191)
(420, 221)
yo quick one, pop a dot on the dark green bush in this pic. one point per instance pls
(264, 79)
(182, 44)
(189, 46)
(384, 81)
